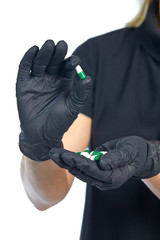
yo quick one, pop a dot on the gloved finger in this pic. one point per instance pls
(110, 145)
(56, 156)
(118, 178)
(122, 174)
(68, 66)
(87, 166)
(84, 177)
(77, 99)
(43, 58)
(26, 64)
(117, 158)
(114, 179)
(58, 56)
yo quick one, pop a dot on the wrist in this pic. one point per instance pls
(152, 165)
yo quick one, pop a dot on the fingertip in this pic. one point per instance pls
(42, 58)
(53, 152)
(59, 53)
(49, 43)
(68, 66)
(34, 48)
(72, 62)
(55, 157)
(87, 79)
(61, 49)
(31, 53)
(75, 60)
(26, 62)
(62, 44)
(87, 82)
(103, 165)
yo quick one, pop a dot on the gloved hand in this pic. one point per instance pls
(125, 158)
(133, 155)
(81, 167)
(47, 102)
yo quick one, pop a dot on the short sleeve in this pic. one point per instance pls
(87, 56)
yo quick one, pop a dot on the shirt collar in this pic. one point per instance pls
(149, 32)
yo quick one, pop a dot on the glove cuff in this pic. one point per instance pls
(152, 165)
(37, 152)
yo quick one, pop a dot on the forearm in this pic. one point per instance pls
(45, 183)
(153, 184)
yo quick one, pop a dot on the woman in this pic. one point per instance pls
(121, 115)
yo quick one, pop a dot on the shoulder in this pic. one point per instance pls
(108, 39)
(111, 42)
(106, 46)
(120, 33)
(115, 41)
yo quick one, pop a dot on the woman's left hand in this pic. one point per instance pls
(126, 157)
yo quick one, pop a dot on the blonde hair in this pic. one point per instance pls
(139, 19)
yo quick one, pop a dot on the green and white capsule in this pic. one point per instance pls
(94, 155)
(85, 154)
(80, 72)
(99, 152)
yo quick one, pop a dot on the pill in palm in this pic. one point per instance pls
(85, 154)
(94, 155)
(95, 152)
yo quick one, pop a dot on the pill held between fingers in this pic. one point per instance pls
(80, 72)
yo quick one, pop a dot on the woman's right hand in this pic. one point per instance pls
(47, 102)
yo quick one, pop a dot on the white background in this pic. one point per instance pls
(23, 24)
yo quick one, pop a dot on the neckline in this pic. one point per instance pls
(149, 32)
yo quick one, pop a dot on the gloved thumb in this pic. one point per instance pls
(79, 96)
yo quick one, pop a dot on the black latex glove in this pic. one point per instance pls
(126, 157)
(81, 167)
(133, 155)
(47, 102)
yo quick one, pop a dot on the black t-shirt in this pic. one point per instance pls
(125, 101)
